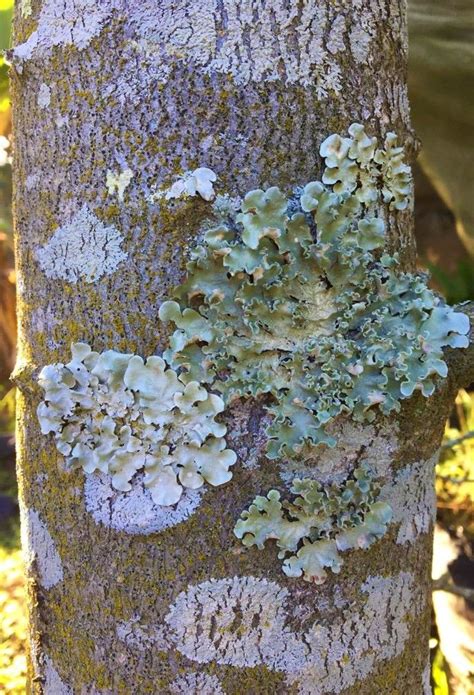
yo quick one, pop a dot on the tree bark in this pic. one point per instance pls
(123, 597)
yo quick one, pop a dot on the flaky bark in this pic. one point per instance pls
(249, 90)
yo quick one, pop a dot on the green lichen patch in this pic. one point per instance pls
(317, 524)
(293, 298)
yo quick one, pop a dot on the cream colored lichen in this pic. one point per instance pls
(118, 183)
(117, 414)
(26, 9)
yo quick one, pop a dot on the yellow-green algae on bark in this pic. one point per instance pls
(112, 106)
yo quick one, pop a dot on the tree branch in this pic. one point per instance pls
(445, 583)
(461, 362)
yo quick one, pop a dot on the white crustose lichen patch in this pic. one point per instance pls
(117, 414)
(240, 621)
(426, 680)
(140, 637)
(39, 549)
(347, 650)
(62, 23)
(412, 498)
(197, 684)
(245, 622)
(52, 683)
(83, 248)
(333, 465)
(135, 512)
(282, 41)
(44, 96)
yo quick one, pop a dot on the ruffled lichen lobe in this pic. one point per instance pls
(294, 298)
(116, 414)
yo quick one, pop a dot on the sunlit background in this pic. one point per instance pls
(442, 98)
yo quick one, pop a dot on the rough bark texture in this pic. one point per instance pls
(249, 89)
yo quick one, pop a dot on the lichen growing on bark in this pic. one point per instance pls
(83, 248)
(117, 414)
(115, 111)
(317, 524)
(247, 621)
(118, 183)
(200, 181)
(39, 549)
(294, 298)
(291, 298)
(62, 23)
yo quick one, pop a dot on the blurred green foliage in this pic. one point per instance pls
(7, 409)
(6, 11)
(458, 286)
(440, 79)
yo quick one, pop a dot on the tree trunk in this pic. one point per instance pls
(126, 596)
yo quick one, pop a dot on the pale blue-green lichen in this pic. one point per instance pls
(356, 164)
(293, 299)
(115, 413)
(318, 524)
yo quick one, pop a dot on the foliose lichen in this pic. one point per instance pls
(317, 523)
(115, 413)
(288, 299)
(189, 184)
(356, 164)
(294, 299)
